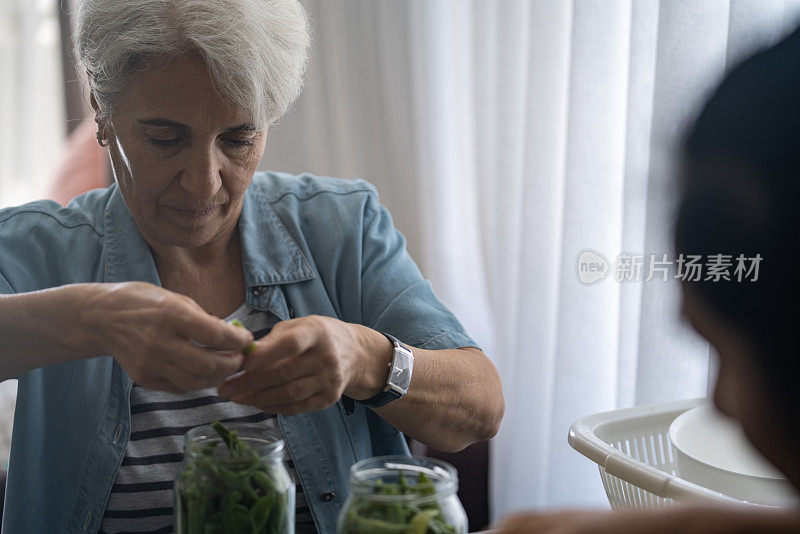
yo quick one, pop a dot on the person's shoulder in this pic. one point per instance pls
(44, 244)
(85, 211)
(276, 186)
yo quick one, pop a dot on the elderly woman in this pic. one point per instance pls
(106, 302)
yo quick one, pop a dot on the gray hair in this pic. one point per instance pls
(255, 50)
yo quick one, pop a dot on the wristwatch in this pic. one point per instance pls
(399, 376)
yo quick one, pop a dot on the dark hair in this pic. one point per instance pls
(740, 195)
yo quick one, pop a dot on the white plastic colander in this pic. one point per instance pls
(632, 449)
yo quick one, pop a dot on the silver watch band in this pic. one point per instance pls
(399, 375)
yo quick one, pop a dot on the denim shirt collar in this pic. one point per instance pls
(128, 256)
(270, 254)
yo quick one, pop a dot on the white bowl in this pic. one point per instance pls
(712, 451)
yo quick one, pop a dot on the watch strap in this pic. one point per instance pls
(388, 394)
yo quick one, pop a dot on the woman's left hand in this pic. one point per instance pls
(308, 363)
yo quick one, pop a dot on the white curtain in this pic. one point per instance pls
(32, 125)
(506, 137)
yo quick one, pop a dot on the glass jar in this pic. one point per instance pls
(402, 495)
(233, 479)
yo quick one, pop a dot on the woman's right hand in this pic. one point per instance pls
(154, 334)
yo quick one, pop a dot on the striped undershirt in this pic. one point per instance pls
(141, 499)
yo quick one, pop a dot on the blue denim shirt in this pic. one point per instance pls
(310, 245)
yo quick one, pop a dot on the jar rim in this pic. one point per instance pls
(269, 443)
(442, 474)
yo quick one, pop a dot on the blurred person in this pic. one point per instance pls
(740, 188)
(103, 303)
(83, 165)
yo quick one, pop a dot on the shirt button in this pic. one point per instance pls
(259, 290)
(87, 521)
(327, 497)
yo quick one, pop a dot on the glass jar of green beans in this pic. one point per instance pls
(402, 495)
(233, 480)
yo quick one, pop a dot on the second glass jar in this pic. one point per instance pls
(402, 495)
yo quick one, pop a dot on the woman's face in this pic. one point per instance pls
(741, 390)
(181, 156)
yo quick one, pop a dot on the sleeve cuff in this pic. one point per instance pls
(446, 340)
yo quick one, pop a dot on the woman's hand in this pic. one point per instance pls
(153, 333)
(308, 363)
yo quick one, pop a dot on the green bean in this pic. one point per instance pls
(424, 485)
(249, 348)
(265, 482)
(196, 511)
(209, 448)
(223, 432)
(234, 481)
(280, 519)
(359, 524)
(419, 523)
(259, 513)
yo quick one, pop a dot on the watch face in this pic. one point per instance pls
(400, 377)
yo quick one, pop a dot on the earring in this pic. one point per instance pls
(102, 141)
